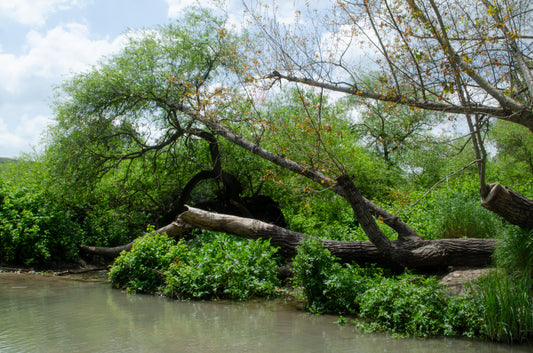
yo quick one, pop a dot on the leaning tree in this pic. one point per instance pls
(192, 80)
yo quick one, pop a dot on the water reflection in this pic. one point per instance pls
(50, 314)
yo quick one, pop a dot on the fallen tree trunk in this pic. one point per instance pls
(415, 253)
(173, 230)
(514, 207)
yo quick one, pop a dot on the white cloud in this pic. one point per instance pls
(177, 7)
(23, 137)
(28, 79)
(50, 56)
(34, 12)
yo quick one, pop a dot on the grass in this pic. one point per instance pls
(508, 306)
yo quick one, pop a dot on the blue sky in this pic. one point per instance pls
(42, 42)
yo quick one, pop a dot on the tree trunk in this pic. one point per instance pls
(414, 253)
(174, 230)
(417, 253)
(509, 204)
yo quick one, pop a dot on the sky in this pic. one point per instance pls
(43, 42)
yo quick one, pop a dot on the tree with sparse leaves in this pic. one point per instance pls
(470, 58)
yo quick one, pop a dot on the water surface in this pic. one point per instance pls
(54, 314)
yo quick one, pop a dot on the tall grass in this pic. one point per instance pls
(454, 213)
(514, 251)
(507, 306)
(462, 216)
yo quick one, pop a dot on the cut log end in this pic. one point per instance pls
(512, 206)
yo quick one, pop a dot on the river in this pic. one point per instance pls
(54, 314)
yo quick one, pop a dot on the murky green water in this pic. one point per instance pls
(51, 314)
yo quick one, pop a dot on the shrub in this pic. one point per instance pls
(142, 269)
(224, 267)
(463, 316)
(35, 230)
(220, 267)
(312, 266)
(405, 305)
(327, 285)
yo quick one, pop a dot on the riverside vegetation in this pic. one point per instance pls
(38, 230)
(134, 139)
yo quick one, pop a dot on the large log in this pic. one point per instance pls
(416, 253)
(173, 230)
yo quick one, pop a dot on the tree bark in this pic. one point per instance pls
(509, 204)
(175, 229)
(415, 253)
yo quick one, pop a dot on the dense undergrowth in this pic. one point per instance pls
(498, 307)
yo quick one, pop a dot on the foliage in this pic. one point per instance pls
(217, 267)
(453, 211)
(322, 215)
(498, 307)
(311, 268)
(142, 268)
(461, 215)
(507, 303)
(514, 145)
(405, 305)
(394, 131)
(328, 286)
(514, 251)
(224, 267)
(34, 229)
(463, 316)
(321, 128)
(140, 103)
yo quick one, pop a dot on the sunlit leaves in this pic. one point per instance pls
(135, 102)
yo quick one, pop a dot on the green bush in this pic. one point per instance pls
(463, 316)
(215, 267)
(404, 305)
(408, 305)
(143, 268)
(224, 267)
(312, 266)
(328, 286)
(34, 229)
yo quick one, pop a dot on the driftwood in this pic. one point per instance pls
(417, 253)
